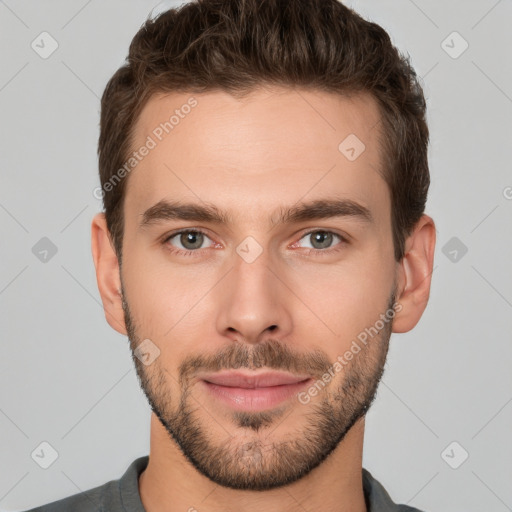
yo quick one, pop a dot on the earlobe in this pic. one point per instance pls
(415, 275)
(107, 273)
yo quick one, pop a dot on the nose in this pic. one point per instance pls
(253, 304)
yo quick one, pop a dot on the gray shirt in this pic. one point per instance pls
(123, 495)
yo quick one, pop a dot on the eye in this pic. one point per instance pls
(321, 240)
(188, 241)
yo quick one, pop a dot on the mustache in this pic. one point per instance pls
(270, 354)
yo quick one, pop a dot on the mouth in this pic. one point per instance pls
(250, 391)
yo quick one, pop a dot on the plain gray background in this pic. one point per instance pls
(67, 378)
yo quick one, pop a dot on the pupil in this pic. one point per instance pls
(193, 238)
(319, 235)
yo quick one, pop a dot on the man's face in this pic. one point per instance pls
(261, 292)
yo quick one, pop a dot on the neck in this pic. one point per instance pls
(171, 483)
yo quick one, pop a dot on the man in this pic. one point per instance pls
(264, 174)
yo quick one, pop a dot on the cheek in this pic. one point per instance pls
(149, 293)
(166, 300)
(343, 300)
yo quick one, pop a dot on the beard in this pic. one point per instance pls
(247, 460)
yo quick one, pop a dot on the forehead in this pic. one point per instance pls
(271, 148)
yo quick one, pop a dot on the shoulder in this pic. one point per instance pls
(112, 496)
(91, 500)
(378, 499)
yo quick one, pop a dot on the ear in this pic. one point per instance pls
(107, 273)
(415, 274)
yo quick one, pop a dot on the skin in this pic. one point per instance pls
(252, 156)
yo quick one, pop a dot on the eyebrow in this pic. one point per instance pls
(206, 212)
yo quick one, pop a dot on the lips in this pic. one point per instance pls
(250, 381)
(253, 391)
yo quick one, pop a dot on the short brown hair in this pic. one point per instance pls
(238, 45)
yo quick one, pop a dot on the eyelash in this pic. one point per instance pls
(196, 252)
